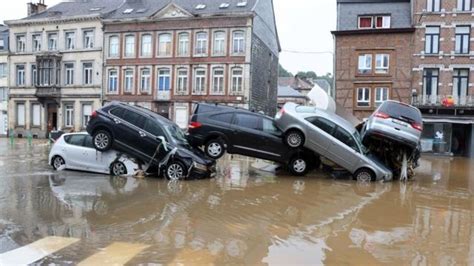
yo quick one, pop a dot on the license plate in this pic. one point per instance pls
(398, 122)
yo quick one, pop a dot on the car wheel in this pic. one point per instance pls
(215, 148)
(118, 169)
(294, 139)
(364, 175)
(58, 162)
(102, 140)
(299, 166)
(175, 171)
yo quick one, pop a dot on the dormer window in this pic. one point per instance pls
(374, 22)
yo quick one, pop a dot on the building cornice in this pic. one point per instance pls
(52, 20)
(154, 19)
(373, 31)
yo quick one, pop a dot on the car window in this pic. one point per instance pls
(224, 118)
(118, 112)
(76, 140)
(177, 133)
(154, 128)
(269, 127)
(346, 138)
(134, 118)
(322, 123)
(398, 110)
(248, 121)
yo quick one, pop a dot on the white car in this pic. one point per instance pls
(75, 151)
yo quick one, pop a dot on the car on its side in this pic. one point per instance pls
(233, 130)
(149, 137)
(332, 137)
(75, 151)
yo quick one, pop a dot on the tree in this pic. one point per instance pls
(307, 75)
(283, 73)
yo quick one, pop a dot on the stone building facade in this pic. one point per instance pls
(373, 56)
(3, 80)
(167, 56)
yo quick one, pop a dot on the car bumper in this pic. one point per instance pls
(377, 134)
(196, 173)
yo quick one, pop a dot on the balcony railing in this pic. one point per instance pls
(443, 100)
(48, 92)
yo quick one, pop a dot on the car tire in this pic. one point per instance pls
(294, 139)
(364, 175)
(102, 140)
(175, 171)
(299, 166)
(215, 148)
(57, 162)
(118, 169)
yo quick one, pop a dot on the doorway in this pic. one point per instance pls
(52, 117)
(461, 140)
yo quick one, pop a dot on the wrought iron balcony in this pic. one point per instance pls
(446, 101)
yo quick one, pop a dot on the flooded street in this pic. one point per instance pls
(244, 216)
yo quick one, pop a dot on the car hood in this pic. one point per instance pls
(196, 155)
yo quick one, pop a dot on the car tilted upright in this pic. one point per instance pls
(75, 151)
(331, 137)
(149, 137)
(222, 129)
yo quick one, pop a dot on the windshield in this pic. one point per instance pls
(359, 142)
(176, 133)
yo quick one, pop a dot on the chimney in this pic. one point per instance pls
(36, 8)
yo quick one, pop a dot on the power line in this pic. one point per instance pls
(307, 52)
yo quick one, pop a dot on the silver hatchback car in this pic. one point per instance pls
(330, 136)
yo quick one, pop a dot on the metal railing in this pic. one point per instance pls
(443, 100)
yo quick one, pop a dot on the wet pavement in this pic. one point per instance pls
(244, 216)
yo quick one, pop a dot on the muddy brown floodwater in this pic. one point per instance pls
(244, 216)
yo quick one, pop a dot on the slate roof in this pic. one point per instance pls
(295, 83)
(289, 92)
(324, 84)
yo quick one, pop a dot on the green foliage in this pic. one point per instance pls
(283, 73)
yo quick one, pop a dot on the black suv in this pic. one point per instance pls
(140, 133)
(240, 131)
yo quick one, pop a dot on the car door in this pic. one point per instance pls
(153, 130)
(273, 145)
(246, 138)
(320, 134)
(97, 161)
(129, 132)
(344, 149)
(75, 152)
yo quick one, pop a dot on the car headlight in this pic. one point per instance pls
(199, 166)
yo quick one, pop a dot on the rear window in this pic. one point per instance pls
(305, 109)
(398, 110)
(223, 118)
(205, 109)
(247, 121)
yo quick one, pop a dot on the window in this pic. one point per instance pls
(2, 44)
(218, 81)
(86, 114)
(153, 128)
(463, 36)
(164, 44)
(113, 78)
(365, 22)
(36, 115)
(52, 41)
(381, 95)
(323, 124)
(20, 75)
(3, 94)
(219, 43)
(20, 114)
(461, 83)
(36, 42)
(34, 75)
(433, 5)
(164, 80)
(248, 121)
(128, 82)
(238, 42)
(363, 97)
(70, 40)
(201, 43)
(183, 44)
(382, 22)
(87, 73)
(69, 77)
(182, 83)
(76, 140)
(88, 39)
(129, 46)
(20, 43)
(430, 85)
(382, 63)
(432, 40)
(464, 5)
(146, 45)
(134, 119)
(145, 80)
(46, 71)
(69, 115)
(346, 138)
(237, 80)
(199, 81)
(113, 46)
(3, 70)
(270, 128)
(223, 118)
(365, 63)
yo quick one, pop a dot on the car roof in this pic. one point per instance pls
(145, 111)
(234, 109)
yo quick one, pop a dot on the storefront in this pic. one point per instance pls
(448, 137)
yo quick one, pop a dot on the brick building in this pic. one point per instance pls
(442, 74)
(373, 55)
(166, 55)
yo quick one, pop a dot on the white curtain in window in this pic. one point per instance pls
(36, 115)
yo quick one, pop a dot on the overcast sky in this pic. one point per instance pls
(303, 25)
